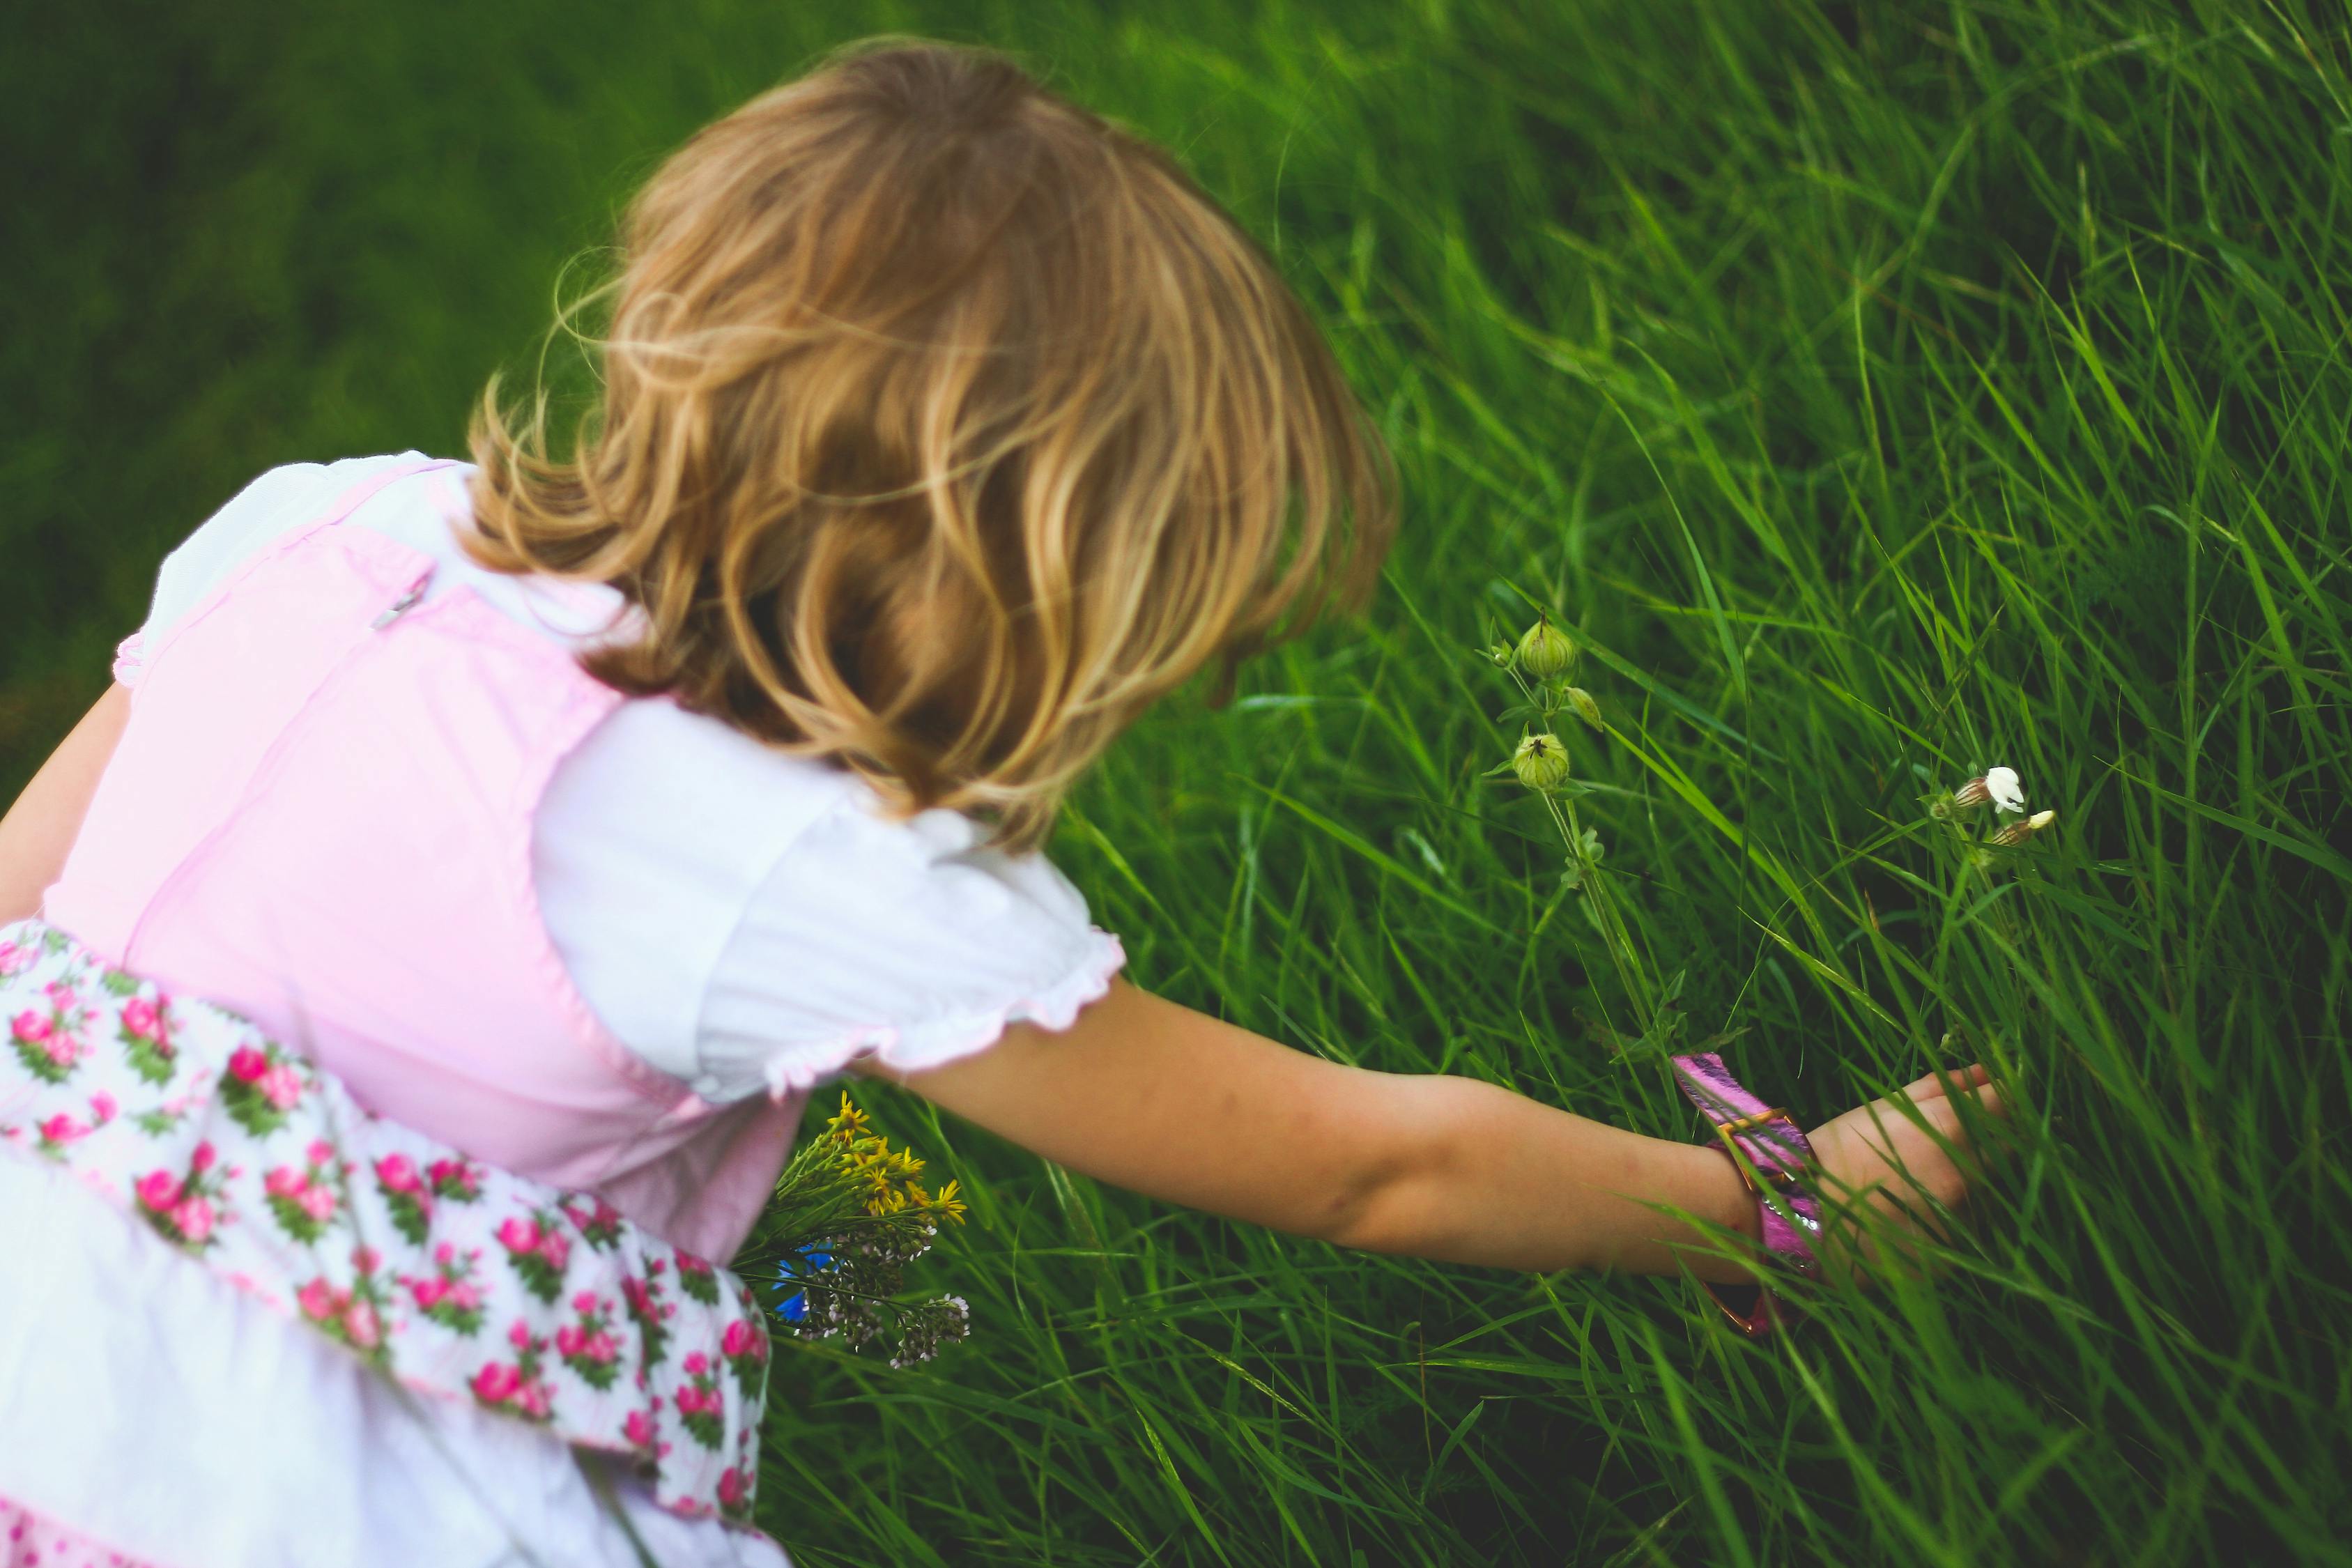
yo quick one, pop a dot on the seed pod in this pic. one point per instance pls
(1586, 708)
(1546, 651)
(2017, 833)
(1540, 762)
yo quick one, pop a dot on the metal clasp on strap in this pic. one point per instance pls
(402, 605)
(1780, 1176)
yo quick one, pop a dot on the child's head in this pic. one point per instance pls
(944, 427)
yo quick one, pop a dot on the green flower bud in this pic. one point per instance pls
(1540, 762)
(1584, 859)
(1546, 651)
(1586, 708)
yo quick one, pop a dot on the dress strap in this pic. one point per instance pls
(146, 645)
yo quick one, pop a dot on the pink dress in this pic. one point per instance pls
(359, 1234)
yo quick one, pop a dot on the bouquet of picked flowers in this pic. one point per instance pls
(848, 1215)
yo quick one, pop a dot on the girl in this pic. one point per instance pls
(424, 950)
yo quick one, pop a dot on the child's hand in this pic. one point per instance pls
(1868, 1152)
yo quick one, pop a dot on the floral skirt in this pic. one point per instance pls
(29, 1540)
(218, 1262)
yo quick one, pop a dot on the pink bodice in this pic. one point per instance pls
(319, 816)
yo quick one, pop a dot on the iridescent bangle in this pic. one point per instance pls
(1771, 1153)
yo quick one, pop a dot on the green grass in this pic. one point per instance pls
(1881, 390)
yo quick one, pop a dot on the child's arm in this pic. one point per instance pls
(1154, 1097)
(41, 827)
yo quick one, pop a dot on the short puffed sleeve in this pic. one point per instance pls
(908, 940)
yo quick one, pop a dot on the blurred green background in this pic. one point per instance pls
(1880, 391)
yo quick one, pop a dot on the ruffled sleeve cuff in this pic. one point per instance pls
(129, 656)
(934, 1042)
(909, 943)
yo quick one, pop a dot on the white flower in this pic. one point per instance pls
(1999, 785)
(2002, 785)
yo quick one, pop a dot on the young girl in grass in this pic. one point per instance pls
(424, 952)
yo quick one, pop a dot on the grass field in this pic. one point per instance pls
(1881, 392)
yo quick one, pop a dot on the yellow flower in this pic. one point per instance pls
(848, 1122)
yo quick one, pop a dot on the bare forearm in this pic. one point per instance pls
(40, 828)
(1161, 1099)
(1513, 1184)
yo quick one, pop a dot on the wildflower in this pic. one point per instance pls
(1546, 651)
(848, 1214)
(943, 1320)
(1999, 785)
(1585, 707)
(849, 1122)
(1540, 762)
(2017, 833)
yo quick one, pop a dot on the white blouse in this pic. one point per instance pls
(741, 918)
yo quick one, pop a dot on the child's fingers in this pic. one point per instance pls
(1945, 1117)
(1932, 1087)
(1950, 1182)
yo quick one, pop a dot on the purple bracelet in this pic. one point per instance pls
(1770, 1152)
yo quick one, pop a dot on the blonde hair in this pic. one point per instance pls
(944, 427)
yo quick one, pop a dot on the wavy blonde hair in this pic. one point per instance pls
(945, 426)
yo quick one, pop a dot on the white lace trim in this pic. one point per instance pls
(934, 1042)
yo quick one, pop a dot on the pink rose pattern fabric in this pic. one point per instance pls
(29, 1540)
(458, 1279)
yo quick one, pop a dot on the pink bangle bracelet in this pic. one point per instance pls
(1771, 1153)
